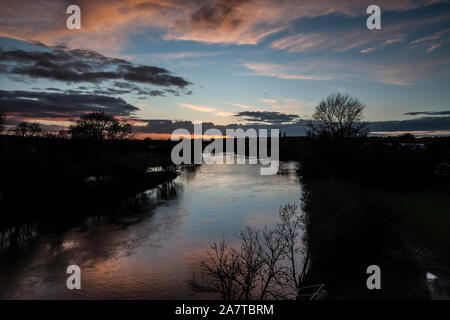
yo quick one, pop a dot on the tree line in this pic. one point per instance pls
(96, 125)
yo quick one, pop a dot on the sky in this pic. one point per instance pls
(167, 63)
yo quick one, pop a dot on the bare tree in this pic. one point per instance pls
(63, 134)
(218, 272)
(120, 130)
(249, 261)
(290, 227)
(26, 129)
(273, 268)
(263, 266)
(98, 125)
(35, 129)
(339, 116)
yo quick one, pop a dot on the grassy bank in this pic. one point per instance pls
(426, 212)
(425, 220)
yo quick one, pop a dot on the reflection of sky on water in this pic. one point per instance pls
(151, 255)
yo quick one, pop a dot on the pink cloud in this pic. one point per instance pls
(205, 109)
(106, 24)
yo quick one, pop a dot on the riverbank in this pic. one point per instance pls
(381, 202)
(425, 216)
(43, 178)
(150, 248)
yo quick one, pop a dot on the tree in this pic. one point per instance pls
(2, 121)
(265, 265)
(26, 129)
(62, 134)
(290, 228)
(338, 116)
(98, 125)
(34, 129)
(120, 130)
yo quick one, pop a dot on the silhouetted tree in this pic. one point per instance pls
(338, 116)
(120, 130)
(2, 121)
(98, 125)
(26, 129)
(265, 265)
(63, 134)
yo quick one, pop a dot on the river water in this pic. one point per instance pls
(152, 252)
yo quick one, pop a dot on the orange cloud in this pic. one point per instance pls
(206, 109)
(106, 24)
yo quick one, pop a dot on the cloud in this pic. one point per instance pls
(357, 38)
(405, 74)
(269, 117)
(59, 106)
(337, 41)
(272, 101)
(420, 124)
(243, 106)
(434, 41)
(367, 50)
(168, 126)
(229, 21)
(184, 55)
(287, 72)
(397, 40)
(428, 113)
(289, 103)
(84, 66)
(206, 109)
(390, 72)
(106, 24)
(299, 127)
(280, 105)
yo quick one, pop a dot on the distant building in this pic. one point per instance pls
(442, 170)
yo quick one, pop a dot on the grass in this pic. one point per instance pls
(420, 219)
(423, 226)
(426, 213)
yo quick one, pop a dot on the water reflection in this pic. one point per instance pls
(149, 249)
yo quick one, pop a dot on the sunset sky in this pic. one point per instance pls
(262, 62)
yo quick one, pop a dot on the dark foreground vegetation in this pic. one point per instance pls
(366, 201)
(92, 166)
(360, 209)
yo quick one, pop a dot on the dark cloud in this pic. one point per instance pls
(35, 105)
(125, 85)
(268, 117)
(77, 65)
(168, 126)
(152, 93)
(299, 128)
(419, 124)
(428, 113)
(218, 14)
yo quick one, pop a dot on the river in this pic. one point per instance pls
(151, 252)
